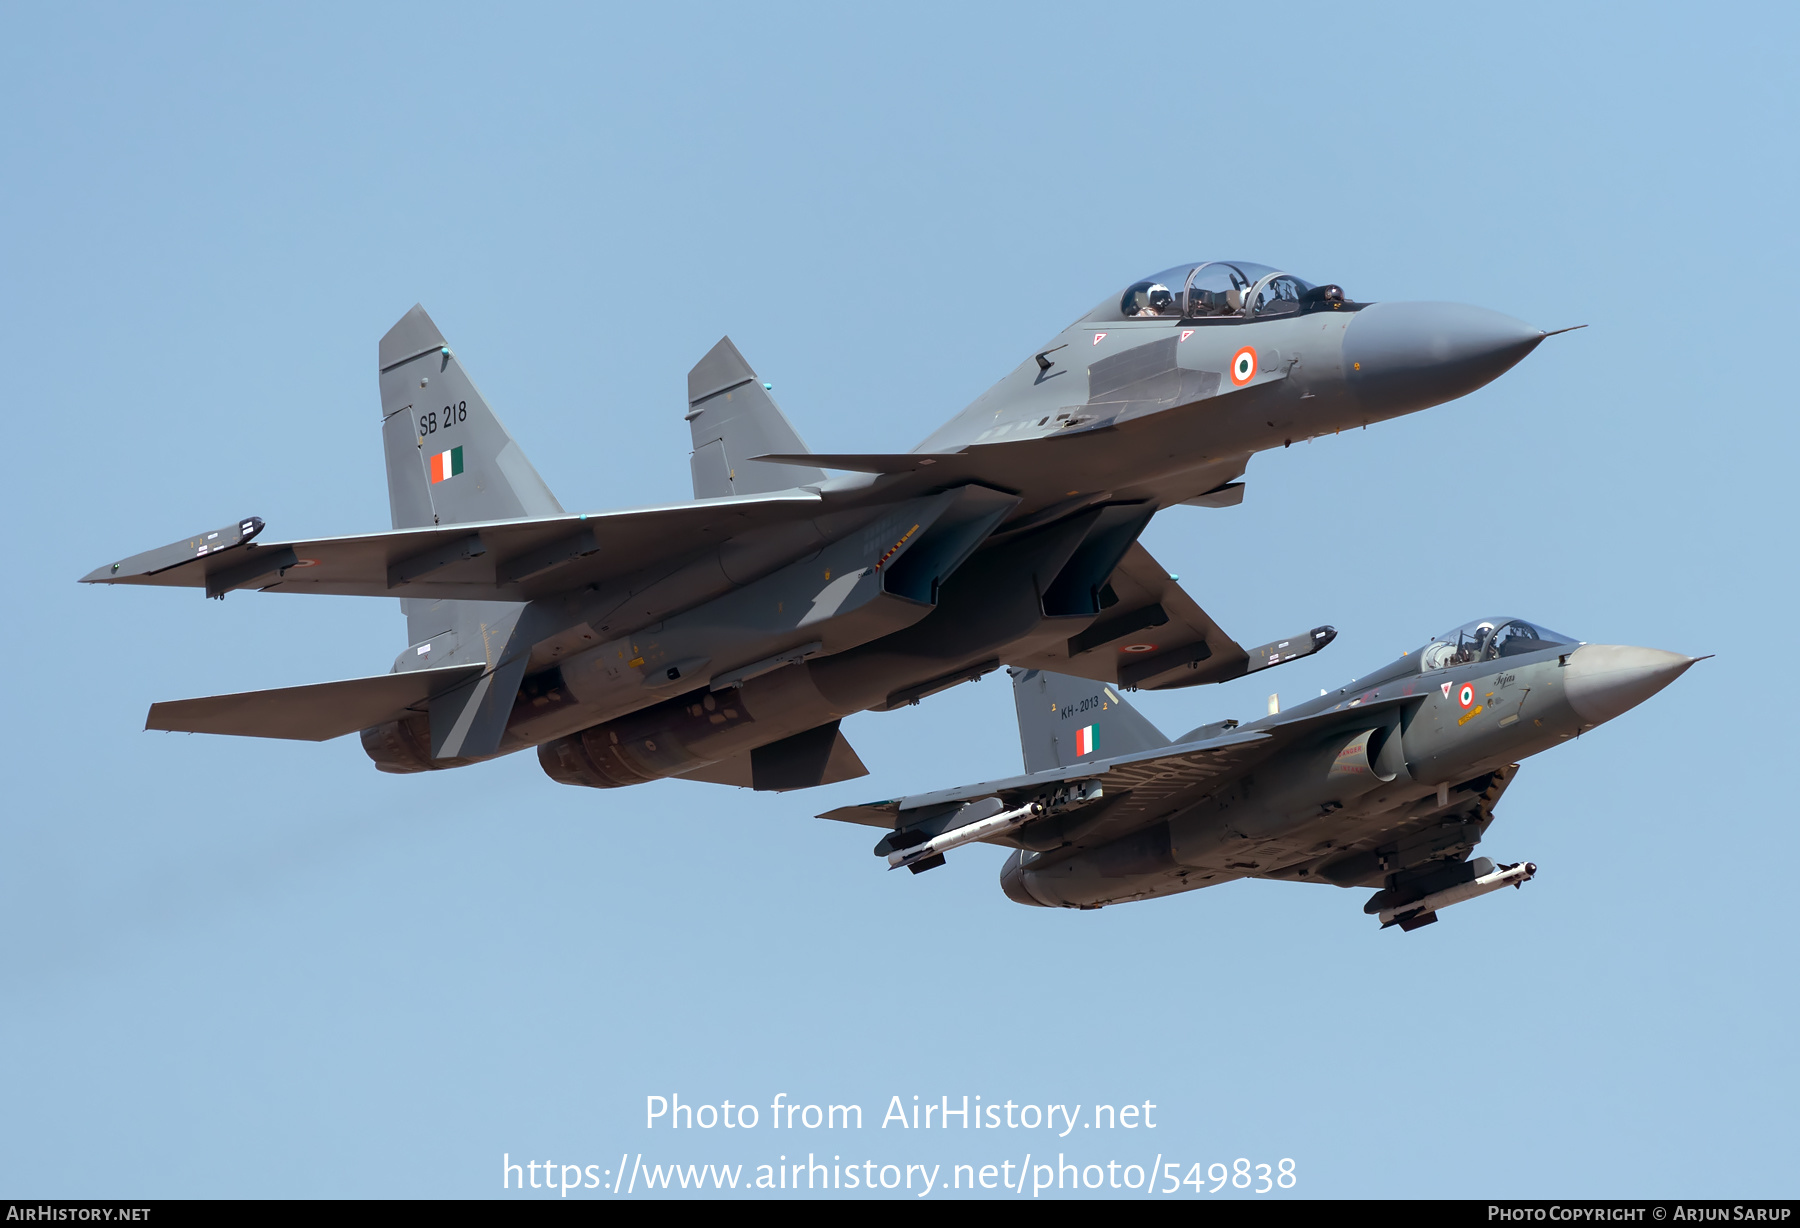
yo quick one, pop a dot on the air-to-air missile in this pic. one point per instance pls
(1389, 782)
(1487, 878)
(723, 639)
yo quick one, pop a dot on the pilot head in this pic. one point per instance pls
(1149, 299)
(1484, 639)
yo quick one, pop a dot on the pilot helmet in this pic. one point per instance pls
(1149, 298)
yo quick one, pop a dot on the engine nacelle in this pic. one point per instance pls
(1283, 794)
(589, 758)
(1012, 882)
(1290, 792)
(1336, 772)
(656, 742)
(405, 746)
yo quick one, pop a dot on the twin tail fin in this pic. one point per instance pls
(734, 419)
(449, 459)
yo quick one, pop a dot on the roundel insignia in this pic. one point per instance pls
(1243, 365)
(1465, 694)
(1139, 648)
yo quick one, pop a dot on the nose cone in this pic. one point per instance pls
(1603, 680)
(1399, 357)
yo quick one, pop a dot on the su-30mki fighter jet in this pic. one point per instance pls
(1389, 782)
(724, 639)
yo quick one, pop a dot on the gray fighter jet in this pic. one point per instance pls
(723, 639)
(1389, 782)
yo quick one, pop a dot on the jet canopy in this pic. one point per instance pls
(1488, 639)
(1216, 290)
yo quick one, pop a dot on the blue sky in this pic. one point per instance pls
(238, 968)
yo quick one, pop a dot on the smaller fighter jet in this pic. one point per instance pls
(1389, 782)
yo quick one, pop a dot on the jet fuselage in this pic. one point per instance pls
(1406, 777)
(1144, 398)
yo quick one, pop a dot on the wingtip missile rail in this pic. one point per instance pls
(199, 546)
(1279, 652)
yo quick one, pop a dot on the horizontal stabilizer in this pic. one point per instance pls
(314, 713)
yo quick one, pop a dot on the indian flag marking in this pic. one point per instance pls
(1084, 740)
(446, 465)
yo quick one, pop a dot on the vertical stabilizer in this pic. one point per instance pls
(1065, 720)
(734, 418)
(449, 460)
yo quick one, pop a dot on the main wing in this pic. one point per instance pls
(503, 560)
(1148, 776)
(1156, 637)
(1137, 787)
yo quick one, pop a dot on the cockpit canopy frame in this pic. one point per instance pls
(1489, 639)
(1216, 291)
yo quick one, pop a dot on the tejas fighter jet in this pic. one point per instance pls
(1389, 782)
(724, 639)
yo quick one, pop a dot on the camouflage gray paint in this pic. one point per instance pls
(1389, 782)
(724, 639)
